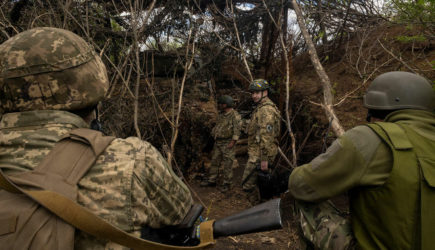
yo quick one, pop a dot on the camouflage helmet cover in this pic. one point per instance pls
(259, 85)
(226, 99)
(50, 68)
(399, 90)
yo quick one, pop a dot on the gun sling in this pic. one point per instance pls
(77, 147)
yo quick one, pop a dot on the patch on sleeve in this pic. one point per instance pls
(269, 128)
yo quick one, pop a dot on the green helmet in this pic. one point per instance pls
(400, 90)
(259, 85)
(50, 68)
(226, 99)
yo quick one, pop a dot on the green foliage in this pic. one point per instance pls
(334, 88)
(115, 26)
(320, 35)
(408, 39)
(412, 11)
(273, 83)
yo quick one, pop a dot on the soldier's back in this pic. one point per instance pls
(129, 185)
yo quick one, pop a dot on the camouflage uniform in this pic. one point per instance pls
(227, 129)
(323, 226)
(263, 131)
(359, 158)
(43, 73)
(130, 185)
(52, 75)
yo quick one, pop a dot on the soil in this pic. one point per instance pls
(350, 67)
(364, 59)
(219, 205)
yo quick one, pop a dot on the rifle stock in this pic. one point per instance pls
(263, 217)
(260, 218)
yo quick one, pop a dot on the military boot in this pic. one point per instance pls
(252, 196)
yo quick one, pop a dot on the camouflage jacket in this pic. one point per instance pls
(263, 131)
(227, 126)
(130, 184)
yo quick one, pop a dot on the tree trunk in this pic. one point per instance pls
(326, 83)
(269, 38)
(282, 87)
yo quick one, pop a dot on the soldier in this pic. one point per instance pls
(226, 133)
(50, 83)
(388, 167)
(263, 131)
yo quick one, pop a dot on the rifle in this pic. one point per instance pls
(245, 114)
(260, 218)
(272, 184)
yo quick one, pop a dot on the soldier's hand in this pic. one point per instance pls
(264, 165)
(231, 144)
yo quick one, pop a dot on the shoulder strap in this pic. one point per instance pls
(77, 215)
(270, 103)
(396, 135)
(66, 163)
(74, 154)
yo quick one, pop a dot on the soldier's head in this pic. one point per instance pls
(259, 89)
(50, 69)
(225, 101)
(398, 90)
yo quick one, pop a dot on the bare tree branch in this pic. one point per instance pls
(135, 11)
(242, 51)
(397, 58)
(287, 82)
(326, 83)
(187, 66)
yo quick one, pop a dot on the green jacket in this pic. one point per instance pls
(362, 161)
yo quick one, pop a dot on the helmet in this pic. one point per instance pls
(400, 90)
(50, 68)
(259, 85)
(226, 99)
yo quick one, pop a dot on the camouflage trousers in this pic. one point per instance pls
(250, 180)
(324, 226)
(222, 162)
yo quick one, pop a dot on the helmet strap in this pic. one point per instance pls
(369, 116)
(95, 123)
(262, 96)
(379, 114)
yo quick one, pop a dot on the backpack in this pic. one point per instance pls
(38, 208)
(24, 223)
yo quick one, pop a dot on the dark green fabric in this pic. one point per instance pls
(362, 162)
(358, 158)
(397, 215)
